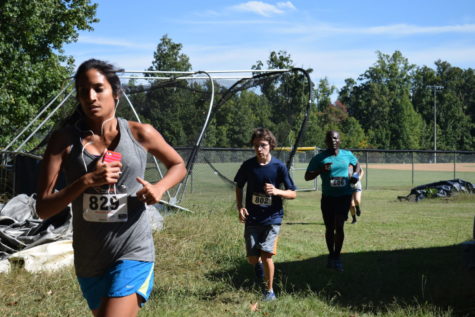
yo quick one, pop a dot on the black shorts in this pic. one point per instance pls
(335, 208)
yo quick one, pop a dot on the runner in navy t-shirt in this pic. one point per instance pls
(263, 211)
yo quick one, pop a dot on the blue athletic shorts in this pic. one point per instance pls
(261, 238)
(124, 278)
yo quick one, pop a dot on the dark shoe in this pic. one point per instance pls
(338, 265)
(358, 211)
(330, 263)
(354, 220)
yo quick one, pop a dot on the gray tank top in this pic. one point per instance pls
(97, 245)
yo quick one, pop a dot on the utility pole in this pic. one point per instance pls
(435, 88)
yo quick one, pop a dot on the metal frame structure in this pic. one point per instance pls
(67, 90)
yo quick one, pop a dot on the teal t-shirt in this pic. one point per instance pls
(335, 183)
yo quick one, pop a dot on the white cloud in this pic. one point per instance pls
(208, 14)
(395, 29)
(264, 9)
(233, 22)
(84, 39)
(405, 29)
(286, 5)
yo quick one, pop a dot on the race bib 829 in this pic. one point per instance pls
(105, 207)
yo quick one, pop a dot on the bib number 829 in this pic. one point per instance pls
(103, 202)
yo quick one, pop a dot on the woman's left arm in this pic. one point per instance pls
(154, 143)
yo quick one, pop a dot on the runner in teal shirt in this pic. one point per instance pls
(337, 182)
(333, 167)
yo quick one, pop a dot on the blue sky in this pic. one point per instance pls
(338, 39)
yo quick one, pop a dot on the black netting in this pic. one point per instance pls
(277, 100)
(180, 108)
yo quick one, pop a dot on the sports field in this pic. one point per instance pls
(435, 167)
(401, 259)
(378, 176)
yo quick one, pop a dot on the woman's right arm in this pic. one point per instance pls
(312, 170)
(49, 202)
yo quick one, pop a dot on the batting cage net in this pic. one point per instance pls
(192, 110)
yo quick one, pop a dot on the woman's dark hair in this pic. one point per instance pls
(266, 134)
(105, 69)
(108, 70)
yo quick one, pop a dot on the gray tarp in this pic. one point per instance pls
(41, 244)
(20, 227)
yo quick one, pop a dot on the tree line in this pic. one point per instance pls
(389, 106)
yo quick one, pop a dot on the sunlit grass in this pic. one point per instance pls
(401, 259)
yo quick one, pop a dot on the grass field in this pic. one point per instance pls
(401, 259)
(378, 176)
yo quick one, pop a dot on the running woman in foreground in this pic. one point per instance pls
(103, 158)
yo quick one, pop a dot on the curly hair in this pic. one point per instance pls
(266, 134)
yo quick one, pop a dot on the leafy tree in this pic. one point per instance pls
(172, 107)
(32, 64)
(422, 99)
(323, 94)
(353, 134)
(381, 103)
(323, 116)
(454, 122)
(407, 126)
(468, 99)
(242, 118)
(169, 57)
(454, 119)
(287, 96)
(328, 116)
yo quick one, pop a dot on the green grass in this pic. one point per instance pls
(401, 259)
(205, 179)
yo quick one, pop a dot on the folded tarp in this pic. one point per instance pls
(439, 189)
(42, 258)
(41, 245)
(20, 227)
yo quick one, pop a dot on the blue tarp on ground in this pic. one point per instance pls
(439, 189)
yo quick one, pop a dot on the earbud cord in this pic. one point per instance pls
(114, 188)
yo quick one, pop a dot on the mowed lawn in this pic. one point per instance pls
(401, 259)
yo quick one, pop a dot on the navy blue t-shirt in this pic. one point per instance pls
(263, 209)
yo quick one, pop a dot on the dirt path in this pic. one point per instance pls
(442, 167)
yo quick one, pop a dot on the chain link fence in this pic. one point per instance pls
(215, 168)
(384, 169)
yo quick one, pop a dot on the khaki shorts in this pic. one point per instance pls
(261, 238)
